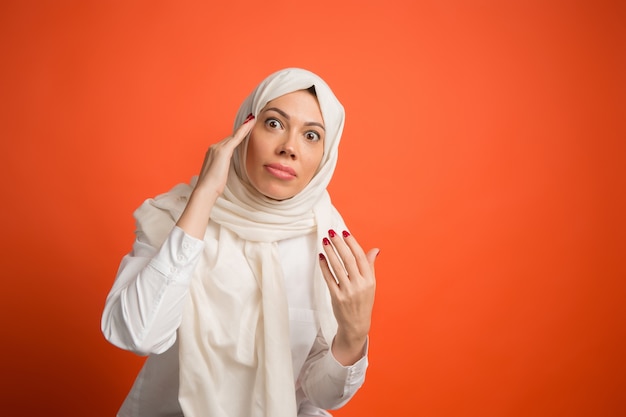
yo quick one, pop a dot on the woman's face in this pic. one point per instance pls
(286, 145)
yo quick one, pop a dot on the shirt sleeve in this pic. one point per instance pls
(144, 307)
(327, 384)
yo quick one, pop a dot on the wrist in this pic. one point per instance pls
(205, 193)
(195, 217)
(348, 349)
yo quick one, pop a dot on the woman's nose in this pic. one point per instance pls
(288, 146)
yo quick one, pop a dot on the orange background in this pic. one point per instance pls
(484, 152)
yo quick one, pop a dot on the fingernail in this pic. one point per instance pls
(332, 233)
(250, 117)
(345, 233)
(322, 257)
(325, 241)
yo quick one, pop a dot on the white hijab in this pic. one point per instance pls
(235, 357)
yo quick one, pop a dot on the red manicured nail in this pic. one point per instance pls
(250, 117)
(322, 257)
(332, 233)
(325, 241)
(345, 233)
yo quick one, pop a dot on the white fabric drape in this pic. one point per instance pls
(235, 358)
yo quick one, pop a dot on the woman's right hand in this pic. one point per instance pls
(214, 172)
(211, 181)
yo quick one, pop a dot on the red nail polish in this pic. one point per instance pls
(332, 233)
(250, 117)
(325, 241)
(345, 233)
(322, 257)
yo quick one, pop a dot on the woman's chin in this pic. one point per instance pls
(275, 195)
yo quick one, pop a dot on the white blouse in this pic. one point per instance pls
(144, 309)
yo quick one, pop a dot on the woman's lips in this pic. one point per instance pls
(281, 171)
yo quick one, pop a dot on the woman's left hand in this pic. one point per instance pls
(349, 273)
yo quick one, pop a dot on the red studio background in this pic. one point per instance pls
(484, 153)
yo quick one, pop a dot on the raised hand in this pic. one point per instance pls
(349, 273)
(212, 181)
(214, 172)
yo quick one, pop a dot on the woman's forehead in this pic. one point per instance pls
(299, 103)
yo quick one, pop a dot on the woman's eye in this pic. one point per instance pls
(273, 123)
(312, 136)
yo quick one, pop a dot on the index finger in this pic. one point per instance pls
(243, 130)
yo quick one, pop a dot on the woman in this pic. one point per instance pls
(244, 287)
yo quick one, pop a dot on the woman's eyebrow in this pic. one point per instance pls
(279, 111)
(316, 124)
(286, 116)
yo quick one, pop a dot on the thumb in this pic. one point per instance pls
(371, 255)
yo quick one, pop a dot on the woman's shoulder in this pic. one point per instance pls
(156, 217)
(171, 203)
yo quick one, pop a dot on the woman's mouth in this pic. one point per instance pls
(282, 172)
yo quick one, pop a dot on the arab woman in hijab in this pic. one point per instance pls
(245, 287)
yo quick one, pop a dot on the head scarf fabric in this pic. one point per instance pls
(242, 208)
(235, 357)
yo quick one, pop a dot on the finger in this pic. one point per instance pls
(335, 263)
(327, 274)
(365, 262)
(243, 130)
(371, 256)
(240, 133)
(351, 256)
